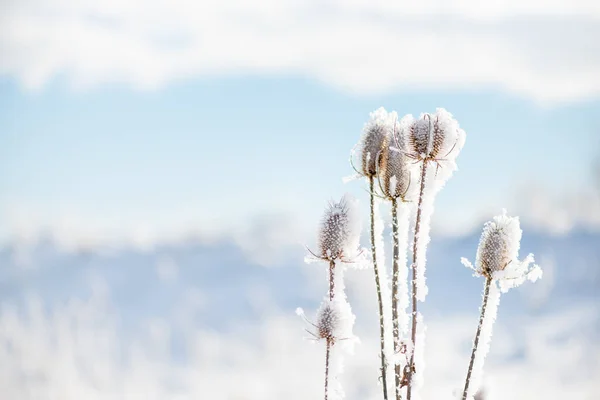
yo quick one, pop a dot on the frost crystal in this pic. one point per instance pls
(339, 233)
(376, 131)
(497, 254)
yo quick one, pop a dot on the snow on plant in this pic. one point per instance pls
(410, 160)
(432, 139)
(376, 133)
(497, 261)
(395, 177)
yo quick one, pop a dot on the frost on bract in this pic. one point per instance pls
(339, 231)
(498, 251)
(375, 132)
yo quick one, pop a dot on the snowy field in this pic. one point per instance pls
(192, 320)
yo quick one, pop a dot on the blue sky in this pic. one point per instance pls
(210, 154)
(206, 115)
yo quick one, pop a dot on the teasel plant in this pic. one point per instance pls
(395, 177)
(376, 132)
(338, 245)
(433, 140)
(497, 262)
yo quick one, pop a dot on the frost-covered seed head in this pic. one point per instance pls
(339, 231)
(499, 244)
(327, 322)
(394, 174)
(434, 136)
(374, 135)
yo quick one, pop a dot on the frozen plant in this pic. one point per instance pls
(376, 132)
(432, 139)
(395, 184)
(411, 160)
(497, 261)
(338, 242)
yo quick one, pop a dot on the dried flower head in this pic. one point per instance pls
(394, 171)
(328, 319)
(497, 254)
(374, 135)
(433, 137)
(339, 232)
(334, 321)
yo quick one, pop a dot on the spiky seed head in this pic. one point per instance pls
(499, 244)
(328, 320)
(434, 136)
(394, 172)
(374, 135)
(339, 231)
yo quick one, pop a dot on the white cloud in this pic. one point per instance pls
(545, 51)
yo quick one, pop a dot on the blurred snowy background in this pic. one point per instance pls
(162, 164)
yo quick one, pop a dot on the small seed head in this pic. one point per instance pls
(328, 319)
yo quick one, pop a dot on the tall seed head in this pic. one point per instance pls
(374, 135)
(394, 172)
(339, 231)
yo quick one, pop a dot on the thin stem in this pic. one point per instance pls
(396, 327)
(379, 297)
(331, 279)
(413, 332)
(327, 351)
(486, 295)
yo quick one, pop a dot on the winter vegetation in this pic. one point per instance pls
(405, 163)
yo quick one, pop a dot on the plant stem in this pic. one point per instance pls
(378, 286)
(486, 294)
(396, 327)
(413, 333)
(331, 279)
(327, 351)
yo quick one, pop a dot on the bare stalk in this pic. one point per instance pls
(486, 294)
(378, 285)
(396, 327)
(329, 340)
(327, 351)
(413, 333)
(331, 278)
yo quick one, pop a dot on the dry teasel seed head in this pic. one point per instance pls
(394, 170)
(497, 254)
(328, 320)
(375, 133)
(433, 137)
(339, 232)
(334, 321)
